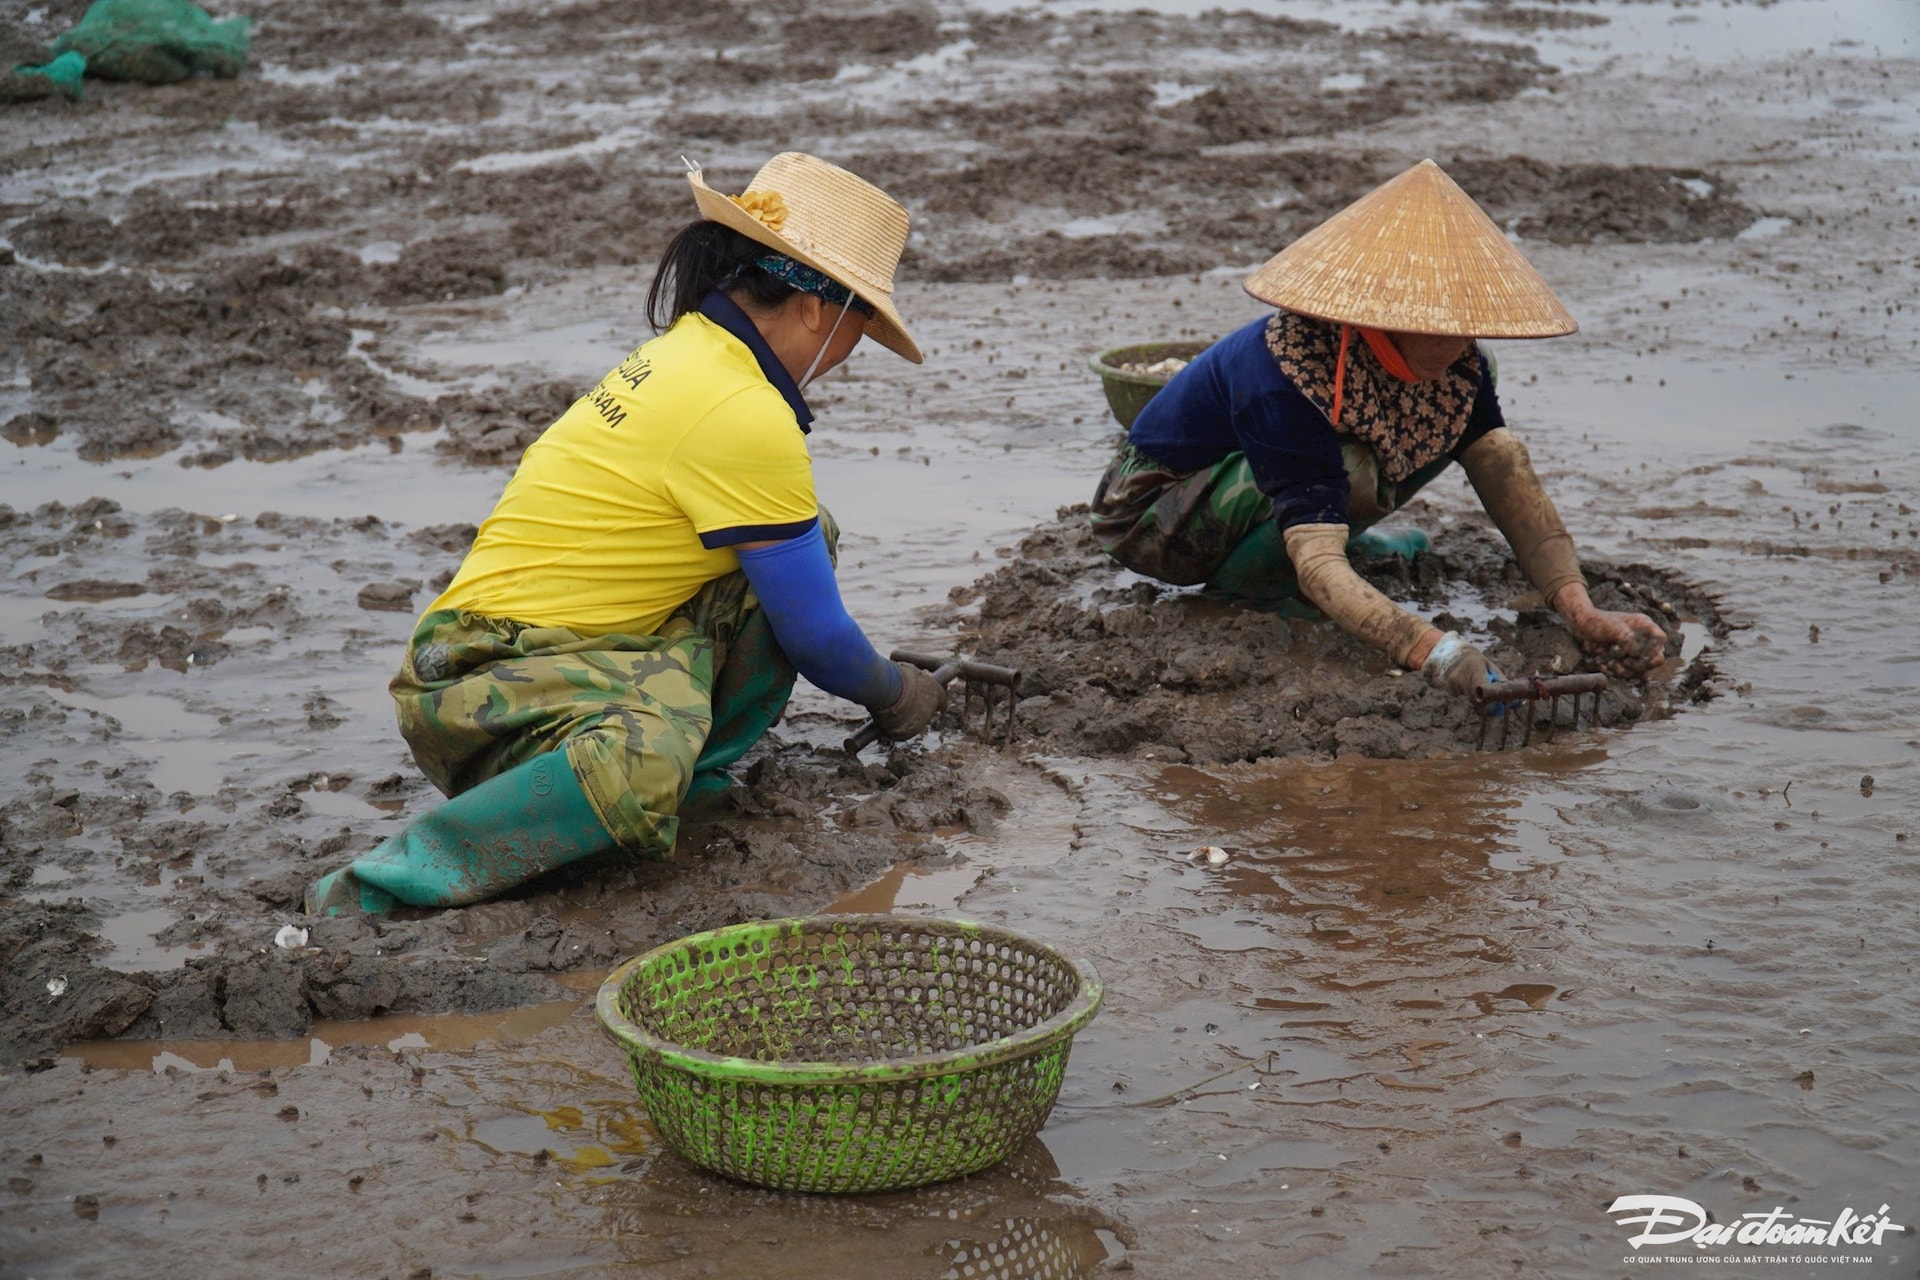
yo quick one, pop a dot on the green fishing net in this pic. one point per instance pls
(156, 41)
(62, 76)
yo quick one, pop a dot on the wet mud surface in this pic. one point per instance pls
(1138, 670)
(1115, 665)
(242, 314)
(273, 344)
(219, 595)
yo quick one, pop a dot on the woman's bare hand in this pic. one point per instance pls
(1624, 644)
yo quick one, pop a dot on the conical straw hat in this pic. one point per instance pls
(1415, 255)
(833, 221)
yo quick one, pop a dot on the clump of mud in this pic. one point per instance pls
(1114, 664)
(759, 852)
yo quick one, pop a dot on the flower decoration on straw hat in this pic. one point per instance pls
(765, 207)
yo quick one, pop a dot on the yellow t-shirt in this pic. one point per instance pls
(632, 501)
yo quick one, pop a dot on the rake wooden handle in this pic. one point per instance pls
(968, 669)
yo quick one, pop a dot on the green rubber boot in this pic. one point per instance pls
(1404, 543)
(504, 832)
(750, 694)
(1259, 570)
(341, 893)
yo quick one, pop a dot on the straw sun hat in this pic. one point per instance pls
(1415, 255)
(820, 215)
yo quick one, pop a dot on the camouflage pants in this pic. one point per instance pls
(1180, 526)
(637, 716)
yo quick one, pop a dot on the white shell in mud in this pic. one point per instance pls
(1210, 854)
(290, 937)
(56, 987)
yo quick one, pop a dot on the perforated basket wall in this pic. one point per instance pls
(849, 1053)
(1029, 1249)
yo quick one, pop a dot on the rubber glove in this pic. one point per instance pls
(1456, 666)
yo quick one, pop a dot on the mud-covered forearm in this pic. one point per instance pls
(1319, 555)
(1502, 474)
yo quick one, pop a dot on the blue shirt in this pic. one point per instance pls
(1233, 399)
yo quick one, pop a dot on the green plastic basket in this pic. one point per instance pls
(1127, 391)
(849, 1053)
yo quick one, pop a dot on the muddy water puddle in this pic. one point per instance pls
(527, 1157)
(396, 1032)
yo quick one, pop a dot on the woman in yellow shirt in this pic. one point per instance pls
(631, 616)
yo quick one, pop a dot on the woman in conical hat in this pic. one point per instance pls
(1258, 463)
(631, 616)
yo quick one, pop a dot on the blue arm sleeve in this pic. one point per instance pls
(794, 580)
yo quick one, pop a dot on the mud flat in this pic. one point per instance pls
(275, 343)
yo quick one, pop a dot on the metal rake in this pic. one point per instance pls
(983, 676)
(1502, 699)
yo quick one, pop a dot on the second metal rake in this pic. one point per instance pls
(1503, 700)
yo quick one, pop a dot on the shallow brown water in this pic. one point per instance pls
(1480, 997)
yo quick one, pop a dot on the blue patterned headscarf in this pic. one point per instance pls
(804, 278)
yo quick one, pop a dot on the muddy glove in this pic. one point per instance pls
(1319, 555)
(1502, 474)
(921, 699)
(1456, 666)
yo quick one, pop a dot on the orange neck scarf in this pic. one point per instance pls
(1383, 350)
(1388, 355)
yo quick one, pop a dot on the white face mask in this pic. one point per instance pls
(826, 342)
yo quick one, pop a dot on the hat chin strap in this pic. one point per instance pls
(807, 377)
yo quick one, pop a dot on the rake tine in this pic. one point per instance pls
(1502, 698)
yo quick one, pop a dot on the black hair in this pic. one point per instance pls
(704, 256)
